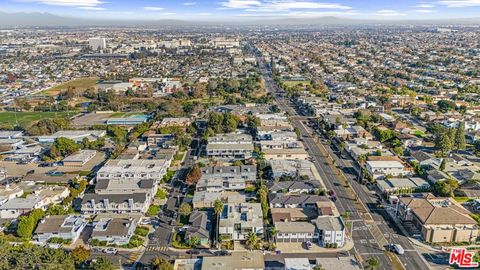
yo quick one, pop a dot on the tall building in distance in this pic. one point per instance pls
(97, 43)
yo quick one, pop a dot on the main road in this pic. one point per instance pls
(370, 230)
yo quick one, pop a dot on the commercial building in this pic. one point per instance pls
(134, 169)
(439, 219)
(79, 159)
(331, 230)
(76, 135)
(97, 43)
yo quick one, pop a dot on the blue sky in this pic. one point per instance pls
(249, 9)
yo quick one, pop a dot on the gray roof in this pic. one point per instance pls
(276, 186)
(302, 199)
(58, 224)
(116, 198)
(328, 223)
(199, 225)
(20, 203)
(113, 226)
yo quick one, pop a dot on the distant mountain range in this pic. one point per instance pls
(22, 19)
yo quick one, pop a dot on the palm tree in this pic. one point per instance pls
(217, 208)
(273, 233)
(194, 241)
(252, 241)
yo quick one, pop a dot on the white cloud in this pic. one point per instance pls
(300, 14)
(425, 11)
(460, 3)
(153, 8)
(68, 3)
(92, 8)
(424, 5)
(241, 3)
(388, 13)
(280, 5)
(189, 3)
(204, 13)
(168, 13)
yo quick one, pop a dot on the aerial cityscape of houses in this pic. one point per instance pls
(338, 148)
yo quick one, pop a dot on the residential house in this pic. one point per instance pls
(114, 230)
(236, 261)
(16, 207)
(331, 230)
(280, 200)
(66, 227)
(295, 232)
(293, 186)
(200, 226)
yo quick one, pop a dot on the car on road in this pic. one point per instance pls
(397, 249)
(193, 252)
(110, 250)
(221, 253)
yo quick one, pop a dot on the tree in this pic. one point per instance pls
(66, 146)
(253, 242)
(460, 143)
(443, 143)
(373, 263)
(446, 105)
(161, 264)
(194, 175)
(446, 188)
(398, 150)
(103, 263)
(25, 227)
(443, 164)
(80, 255)
(217, 206)
(194, 241)
(185, 209)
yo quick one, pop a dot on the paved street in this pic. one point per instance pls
(366, 244)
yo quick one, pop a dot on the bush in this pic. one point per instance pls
(58, 240)
(142, 231)
(135, 241)
(153, 210)
(97, 243)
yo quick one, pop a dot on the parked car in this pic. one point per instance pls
(110, 250)
(308, 245)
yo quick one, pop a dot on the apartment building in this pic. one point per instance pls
(230, 146)
(238, 220)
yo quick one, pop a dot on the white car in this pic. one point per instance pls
(110, 250)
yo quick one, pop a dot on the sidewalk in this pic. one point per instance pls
(298, 248)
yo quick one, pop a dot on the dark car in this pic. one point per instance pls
(193, 252)
(221, 253)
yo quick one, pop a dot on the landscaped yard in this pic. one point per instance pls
(26, 118)
(79, 84)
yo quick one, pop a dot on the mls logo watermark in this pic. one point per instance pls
(462, 257)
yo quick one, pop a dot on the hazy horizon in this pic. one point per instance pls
(248, 10)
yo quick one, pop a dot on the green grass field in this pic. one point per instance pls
(25, 118)
(294, 83)
(81, 84)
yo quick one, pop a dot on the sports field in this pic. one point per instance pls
(25, 118)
